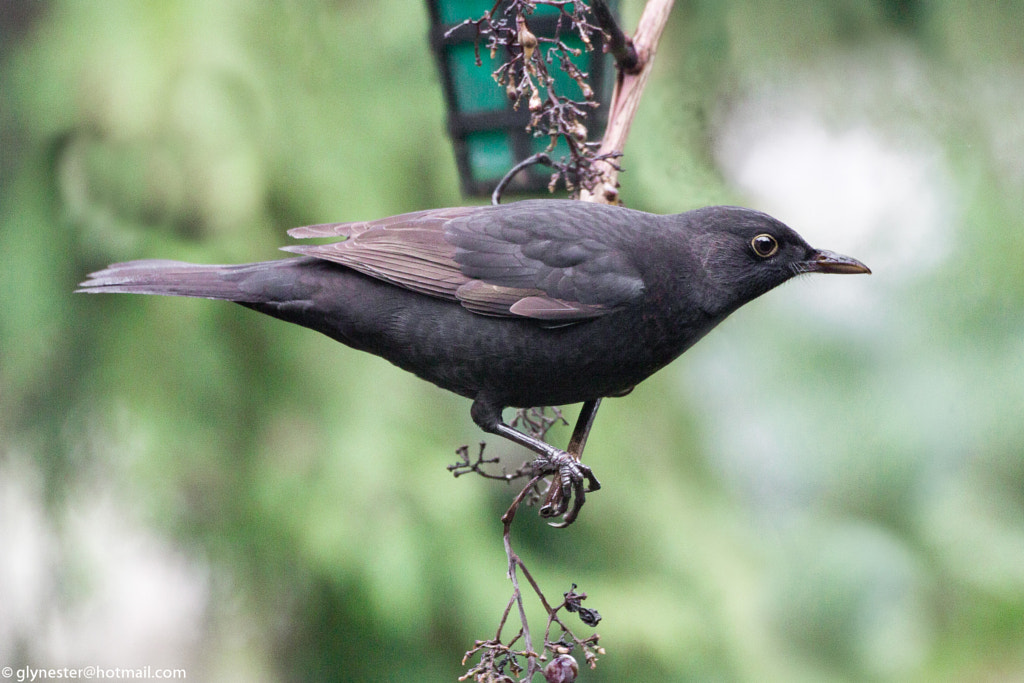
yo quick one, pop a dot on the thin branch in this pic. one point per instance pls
(626, 100)
(619, 45)
(513, 562)
(538, 158)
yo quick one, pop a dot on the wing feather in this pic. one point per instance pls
(551, 260)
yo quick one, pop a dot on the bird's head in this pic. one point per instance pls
(745, 253)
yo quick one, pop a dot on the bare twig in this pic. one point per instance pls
(619, 45)
(571, 603)
(537, 421)
(464, 466)
(626, 101)
(538, 158)
(513, 563)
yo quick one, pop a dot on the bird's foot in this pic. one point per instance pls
(573, 481)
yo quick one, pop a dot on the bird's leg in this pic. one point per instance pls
(582, 429)
(573, 477)
(558, 498)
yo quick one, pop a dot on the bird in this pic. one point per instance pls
(542, 302)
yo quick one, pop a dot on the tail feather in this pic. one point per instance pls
(172, 278)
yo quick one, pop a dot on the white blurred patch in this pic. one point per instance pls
(850, 189)
(95, 589)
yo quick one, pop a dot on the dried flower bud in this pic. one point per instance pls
(535, 103)
(578, 132)
(526, 38)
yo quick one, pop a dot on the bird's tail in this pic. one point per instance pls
(177, 278)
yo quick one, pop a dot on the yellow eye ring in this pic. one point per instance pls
(764, 245)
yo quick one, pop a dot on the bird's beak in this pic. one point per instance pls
(830, 262)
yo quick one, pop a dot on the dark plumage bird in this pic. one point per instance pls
(535, 303)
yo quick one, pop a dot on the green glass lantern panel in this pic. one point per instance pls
(457, 11)
(490, 153)
(474, 88)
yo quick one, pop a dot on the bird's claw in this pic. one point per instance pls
(574, 481)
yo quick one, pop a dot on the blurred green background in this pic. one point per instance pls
(830, 487)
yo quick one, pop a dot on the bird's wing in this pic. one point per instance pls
(407, 250)
(545, 262)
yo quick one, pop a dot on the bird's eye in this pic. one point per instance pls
(764, 245)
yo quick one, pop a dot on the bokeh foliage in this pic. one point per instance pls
(827, 488)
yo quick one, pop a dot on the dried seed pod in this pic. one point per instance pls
(561, 669)
(535, 102)
(526, 38)
(578, 132)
